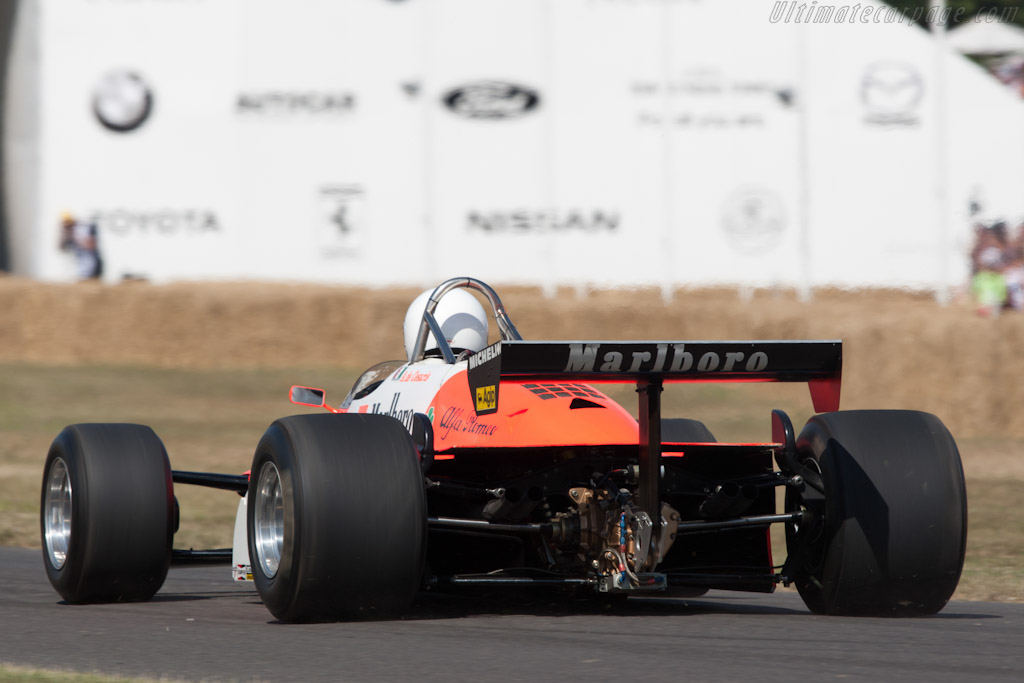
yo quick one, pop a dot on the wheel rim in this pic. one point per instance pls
(57, 513)
(269, 520)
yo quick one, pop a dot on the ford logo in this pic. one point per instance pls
(491, 100)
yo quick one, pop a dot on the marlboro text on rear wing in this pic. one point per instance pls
(819, 363)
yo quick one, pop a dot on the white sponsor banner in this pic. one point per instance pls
(328, 114)
(266, 146)
(671, 142)
(489, 152)
(134, 124)
(872, 177)
(733, 122)
(609, 170)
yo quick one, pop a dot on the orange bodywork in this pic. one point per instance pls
(530, 414)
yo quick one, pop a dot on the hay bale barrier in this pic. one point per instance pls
(902, 349)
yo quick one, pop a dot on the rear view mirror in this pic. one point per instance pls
(307, 396)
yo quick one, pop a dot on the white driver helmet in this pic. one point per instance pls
(460, 316)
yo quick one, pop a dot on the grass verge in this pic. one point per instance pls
(19, 674)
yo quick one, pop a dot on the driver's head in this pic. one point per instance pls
(461, 317)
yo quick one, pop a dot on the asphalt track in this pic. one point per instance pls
(201, 627)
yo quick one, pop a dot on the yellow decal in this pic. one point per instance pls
(486, 398)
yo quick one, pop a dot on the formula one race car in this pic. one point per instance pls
(469, 464)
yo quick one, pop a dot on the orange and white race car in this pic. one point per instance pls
(468, 464)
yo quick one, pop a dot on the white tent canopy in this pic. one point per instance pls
(987, 38)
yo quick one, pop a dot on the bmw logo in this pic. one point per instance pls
(122, 101)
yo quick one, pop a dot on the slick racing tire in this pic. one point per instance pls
(681, 430)
(894, 532)
(336, 518)
(107, 513)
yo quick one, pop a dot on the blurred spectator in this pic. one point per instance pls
(987, 238)
(999, 231)
(1017, 242)
(1010, 71)
(988, 284)
(1013, 275)
(80, 238)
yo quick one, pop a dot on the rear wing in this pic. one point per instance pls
(819, 363)
(650, 365)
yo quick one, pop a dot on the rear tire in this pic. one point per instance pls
(336, 518)
(894, 533)
(107, 513)
(682, 430)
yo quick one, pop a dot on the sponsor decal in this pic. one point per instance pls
(414, 376)
(158, 222)
(122, 101)
(459, 420)
(484, 356)
(295, 103)
(430, 414)
(544, 220)
(702, 121)
(892, 93)
(663, 358)
(486, 398)
(341, 209)
(816, 362)
(405, 415)
(753, 219)
(491, 100)
(706, 98)
(483, 376)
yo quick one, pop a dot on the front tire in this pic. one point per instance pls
(894, 529)
(336, 518)
(107, 513)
